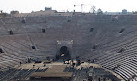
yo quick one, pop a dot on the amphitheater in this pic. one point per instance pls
(109, 41)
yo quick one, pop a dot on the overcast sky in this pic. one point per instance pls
(64, 5)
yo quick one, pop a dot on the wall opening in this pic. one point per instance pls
(121, 50)
(43, 30)
(1, 51)
(33, 47)
(64, 53)
(122, 30)
(69, 20)
(95, 46)
(91, 29)
(11, 32)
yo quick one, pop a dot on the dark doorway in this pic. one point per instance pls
(11, 32)
(122, 30)
(1, 51)
(43, 30)
(33, 47)
(64, 53)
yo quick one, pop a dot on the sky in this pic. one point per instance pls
(25, 6)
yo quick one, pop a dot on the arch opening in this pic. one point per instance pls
(1, 51)
(64, 53)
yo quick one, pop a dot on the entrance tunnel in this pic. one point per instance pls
(64, 53)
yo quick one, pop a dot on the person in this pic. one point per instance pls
(44, 65)
(33, 66)
(73, 64)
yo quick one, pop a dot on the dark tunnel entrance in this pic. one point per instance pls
(64, 53)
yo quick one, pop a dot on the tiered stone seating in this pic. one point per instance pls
(101, 45)
(18, 74)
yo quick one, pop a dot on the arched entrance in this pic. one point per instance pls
(64, 53)
(64, 49)
(1, 51)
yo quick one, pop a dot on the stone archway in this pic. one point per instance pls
(64, 53)
(64, 49)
